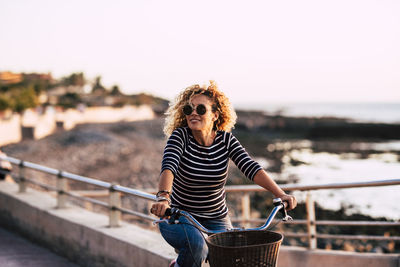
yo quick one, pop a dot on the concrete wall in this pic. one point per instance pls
(71, 117)
(84, 237)
(78, 234)
(302, 257)
(10, 130)
(32, 125)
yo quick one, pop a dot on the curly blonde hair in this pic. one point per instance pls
(221, 104)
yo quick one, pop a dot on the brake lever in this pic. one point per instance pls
(160, 221)
(285, 216)
(171, 220)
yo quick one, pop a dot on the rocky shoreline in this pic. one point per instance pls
(315, 128)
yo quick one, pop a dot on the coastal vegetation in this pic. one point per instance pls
(21, 91)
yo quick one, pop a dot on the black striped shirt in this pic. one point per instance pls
(200, 172)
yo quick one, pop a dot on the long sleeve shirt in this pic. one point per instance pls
(200, 172)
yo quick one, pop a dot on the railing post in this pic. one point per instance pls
(115, 203)
(311, 225)
(246, 209)
(61, 189)
(21, 174)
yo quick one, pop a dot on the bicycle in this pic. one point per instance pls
(239, 247)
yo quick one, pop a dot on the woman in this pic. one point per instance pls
(195, 166)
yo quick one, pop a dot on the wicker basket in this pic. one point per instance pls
(244, 248)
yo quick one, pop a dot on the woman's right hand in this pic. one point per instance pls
(159, 208)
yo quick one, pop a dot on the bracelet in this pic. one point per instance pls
(159, 199)
(159, 193)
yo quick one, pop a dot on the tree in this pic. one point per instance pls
(39, 81)
(98, 87)
(24, 98)
(115, 90)
(75, 79)
(69, 100)
(5, 103)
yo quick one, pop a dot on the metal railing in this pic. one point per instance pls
(115, 191)
(115, 209)
(311, 221)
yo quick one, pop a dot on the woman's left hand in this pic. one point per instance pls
(291, 200)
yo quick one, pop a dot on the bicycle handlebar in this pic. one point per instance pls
(175, 213)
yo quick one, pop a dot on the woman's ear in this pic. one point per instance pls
(216, 116)
(215, 120)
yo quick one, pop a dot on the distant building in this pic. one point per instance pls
(7, 77)
(38, 77)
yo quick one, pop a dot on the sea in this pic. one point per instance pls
(377, 112)
(325, 168)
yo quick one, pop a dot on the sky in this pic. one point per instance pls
(256, 51)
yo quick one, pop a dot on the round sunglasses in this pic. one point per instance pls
(200, 109)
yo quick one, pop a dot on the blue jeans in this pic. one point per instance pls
(189, 241)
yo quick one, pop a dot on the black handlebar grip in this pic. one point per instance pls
(168, 212)
(283, 211)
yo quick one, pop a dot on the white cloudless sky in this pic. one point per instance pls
(257, 51)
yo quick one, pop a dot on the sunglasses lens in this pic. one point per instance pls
(201, 109)
(187, 110)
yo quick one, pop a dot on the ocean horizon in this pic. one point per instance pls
(373, 112)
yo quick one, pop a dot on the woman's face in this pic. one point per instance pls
(205, 122)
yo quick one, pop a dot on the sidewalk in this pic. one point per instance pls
(18, 252)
